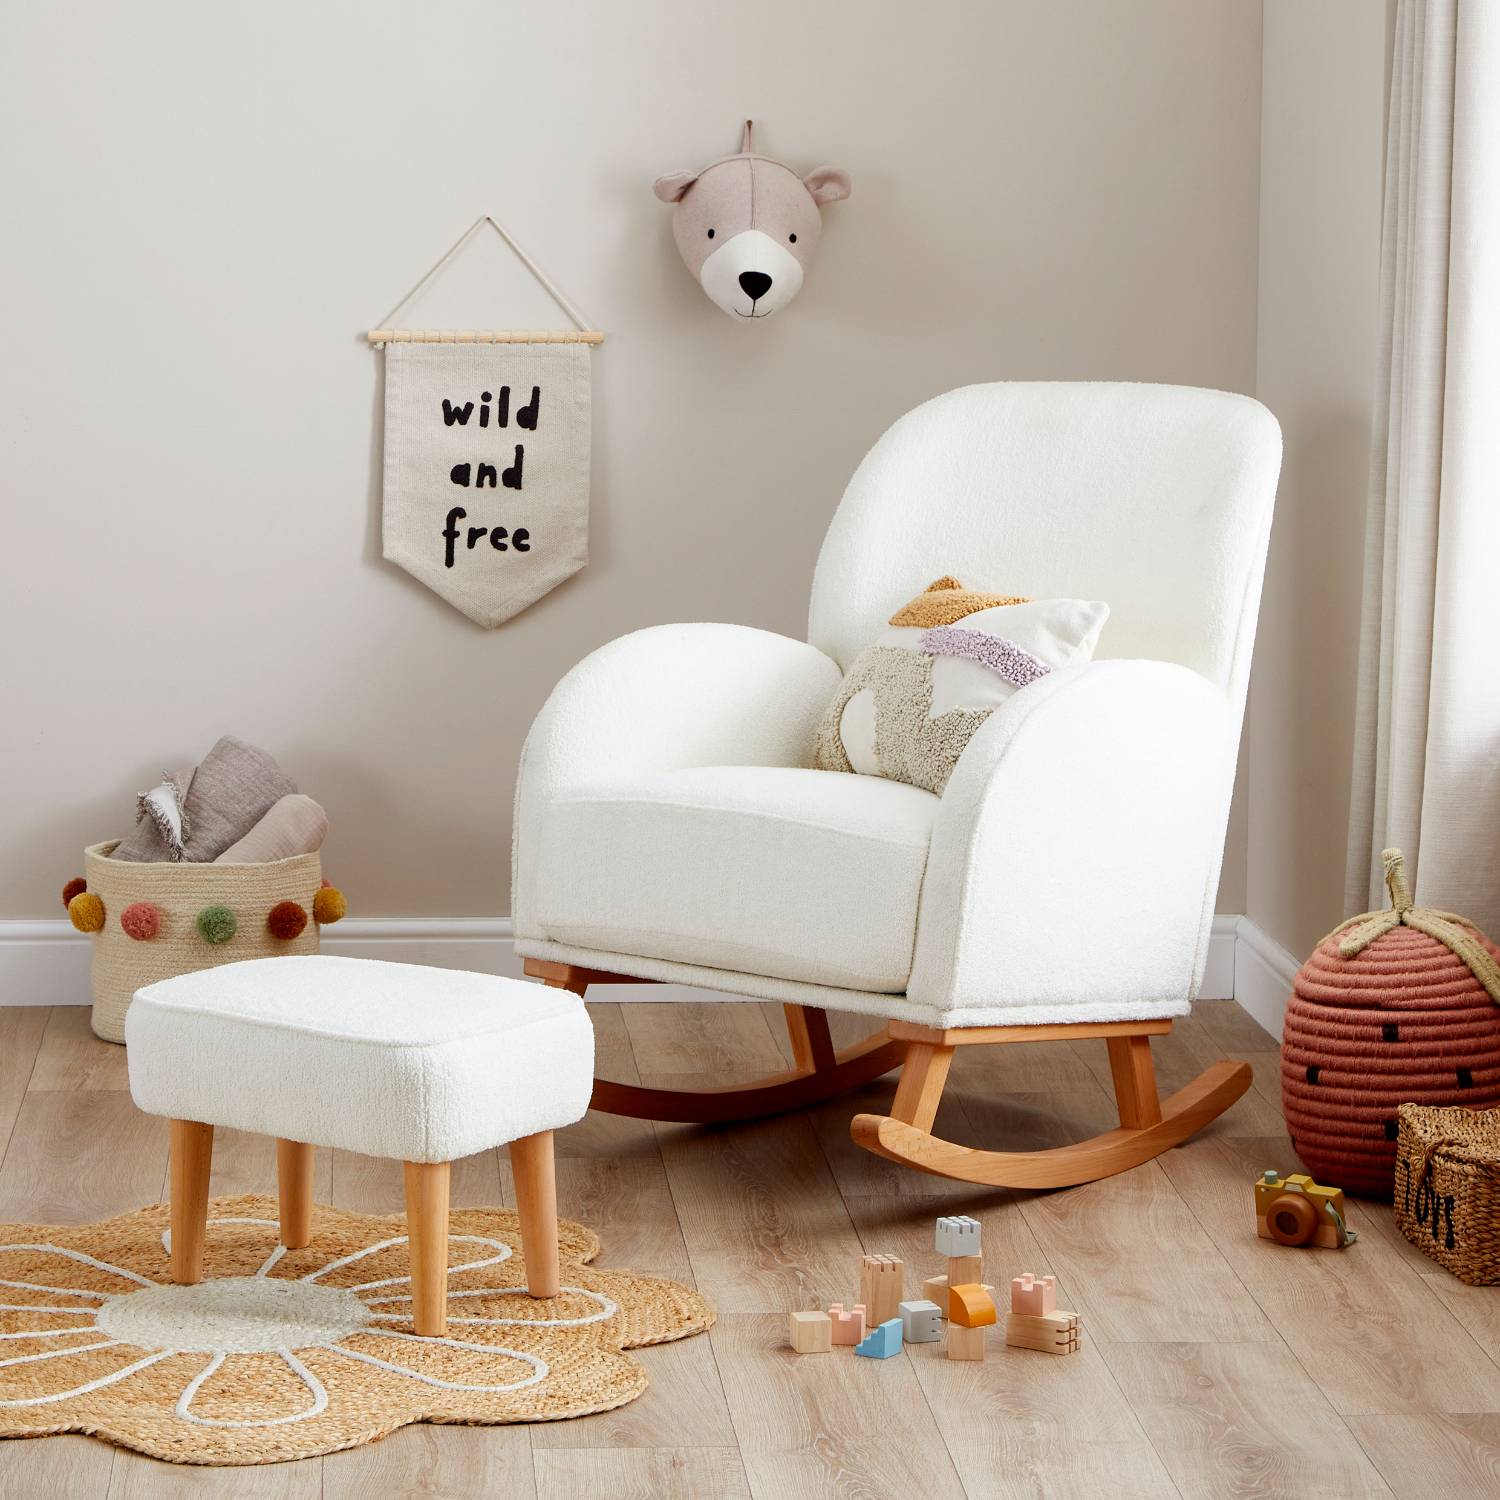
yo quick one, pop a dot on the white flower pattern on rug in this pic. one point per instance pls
(75, 1341)
(214, 1306)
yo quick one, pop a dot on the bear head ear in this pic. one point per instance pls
(671, 187)
(827, 184)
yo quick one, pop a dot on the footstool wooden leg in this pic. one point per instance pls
(427, 1241)
(536, 1201)
(294, 1172)
(192, 1159)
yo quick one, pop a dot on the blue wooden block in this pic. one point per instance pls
(882, 1341)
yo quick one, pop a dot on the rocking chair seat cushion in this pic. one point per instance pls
(728, 867)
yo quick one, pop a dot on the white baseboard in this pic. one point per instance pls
(1218, 972)
(1263, 974)
(47, 962)
(43, 963)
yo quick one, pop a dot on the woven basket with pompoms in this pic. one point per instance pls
(151, 921)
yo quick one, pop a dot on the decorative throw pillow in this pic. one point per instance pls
(908, 705)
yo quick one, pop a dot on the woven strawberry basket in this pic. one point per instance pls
(1400, 1006)
(1448, 1188)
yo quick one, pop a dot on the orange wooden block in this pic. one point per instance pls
(970, 1306)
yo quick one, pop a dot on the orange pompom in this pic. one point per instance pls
(286, 920)
(329, 905)
(75, 887)
(141, 920)
(86, 911)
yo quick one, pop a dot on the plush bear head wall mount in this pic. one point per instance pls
(747, 226)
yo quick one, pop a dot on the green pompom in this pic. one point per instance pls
(216, 924)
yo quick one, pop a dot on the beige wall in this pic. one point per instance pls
(206, 205)
(1322, 108)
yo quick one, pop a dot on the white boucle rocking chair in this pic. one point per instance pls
(668, 827)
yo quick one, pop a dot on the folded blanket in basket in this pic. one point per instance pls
(294, 825)
(161, 818)
(234, 788)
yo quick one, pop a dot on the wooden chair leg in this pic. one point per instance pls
(562, 976)
(427, 1242)
(192, 1154)
(1148, 1125)
(294, 1177)
(1135, 1081)
(536, 1202)
(921, 1086)
(812, 1043)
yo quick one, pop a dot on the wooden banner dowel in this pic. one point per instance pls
(480, 336)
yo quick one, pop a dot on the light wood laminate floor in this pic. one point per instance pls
(1214, 1363)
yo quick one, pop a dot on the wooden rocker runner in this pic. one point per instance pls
(819, 1072)
(1148, 1125)
(670, 825)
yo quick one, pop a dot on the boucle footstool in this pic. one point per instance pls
(420, 1065)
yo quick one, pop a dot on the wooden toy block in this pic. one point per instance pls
(965, 1270)
(921, 1322)
(935, 1289)
(1050, 1333)
(810, 1332)
(965, 1343)
(882, 1341)
(881, 1287)
(970, 1306)
(956, 1236)
(1033, 1295)
(848, 1327)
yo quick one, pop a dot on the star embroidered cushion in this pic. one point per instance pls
(910, 703)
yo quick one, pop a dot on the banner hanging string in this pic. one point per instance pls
(385, 334)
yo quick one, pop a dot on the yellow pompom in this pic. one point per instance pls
(329, 905)
(87, 912)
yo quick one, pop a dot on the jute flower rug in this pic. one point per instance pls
(280, 1354)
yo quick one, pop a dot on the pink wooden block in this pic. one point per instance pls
(1033, 1296)
(848, 1327)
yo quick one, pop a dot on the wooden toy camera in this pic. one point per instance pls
(1296, 1211)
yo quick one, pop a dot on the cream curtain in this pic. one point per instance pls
(1427, 743)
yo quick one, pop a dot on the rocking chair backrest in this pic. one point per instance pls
(1156, 499)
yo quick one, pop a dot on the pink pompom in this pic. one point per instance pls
(141, 920)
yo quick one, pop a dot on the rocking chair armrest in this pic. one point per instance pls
(1075, 858)
(674, 696)
(668, 698)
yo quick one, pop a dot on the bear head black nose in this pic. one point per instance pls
(755, 284)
